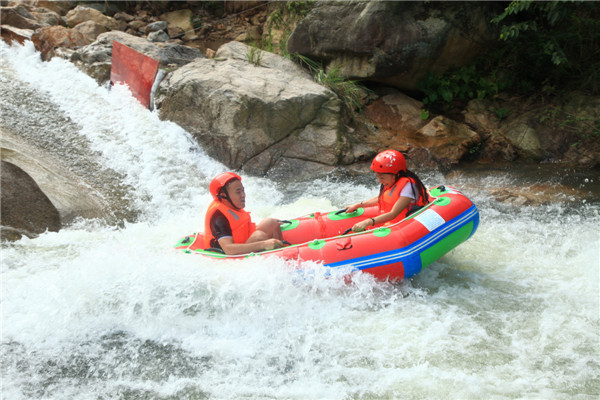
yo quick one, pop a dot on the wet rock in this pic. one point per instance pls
(538, 194)
(25, 208)
(11, 34)
(69, 195)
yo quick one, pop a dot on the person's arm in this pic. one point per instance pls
(231, 248)
(366, 203)
(400, 205)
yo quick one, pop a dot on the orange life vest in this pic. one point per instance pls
(239, 221)
(390, 196)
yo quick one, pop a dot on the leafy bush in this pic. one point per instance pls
(543, 48)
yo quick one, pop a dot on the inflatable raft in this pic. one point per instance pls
(393, 252)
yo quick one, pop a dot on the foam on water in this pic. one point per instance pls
(96, 311)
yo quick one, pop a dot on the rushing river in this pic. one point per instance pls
(107, 310)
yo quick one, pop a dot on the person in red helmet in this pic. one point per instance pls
(400, 194)
(227, 226)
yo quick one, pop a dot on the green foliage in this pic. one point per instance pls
(460, 84)
(349, 91)
(544, 48)
(553, 43)
(502, 113)
(283, 19)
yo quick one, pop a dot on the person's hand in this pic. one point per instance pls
(362, 225)
(352, 208)
(271, 244)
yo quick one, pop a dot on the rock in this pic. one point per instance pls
(71, 197)
(123, 16)
(396, 113)
(176, 54)
(156, 26)
(95, 59)
(11, 34)
(521, 133)
(25, 208)
(19, 17)
(47, 40)
(158, 36)
(447, 141)
(396, 43)
(138, 26)
(81, 14)
(46, 17)
(251, 115)
(495, 146)
(90, 30)
(538, 194)
(181, 19)
(59, 7)
(175, 32)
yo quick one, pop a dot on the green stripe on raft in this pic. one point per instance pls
(446, 244)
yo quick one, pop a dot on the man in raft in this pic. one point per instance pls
(228, 226)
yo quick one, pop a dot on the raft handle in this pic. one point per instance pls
(347, 231)
(343, 210)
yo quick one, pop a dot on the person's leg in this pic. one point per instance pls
(267, 228)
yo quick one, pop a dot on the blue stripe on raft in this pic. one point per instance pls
(410, 255)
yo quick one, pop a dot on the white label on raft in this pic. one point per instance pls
(430, 219)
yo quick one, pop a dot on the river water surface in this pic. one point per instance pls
(105, 310)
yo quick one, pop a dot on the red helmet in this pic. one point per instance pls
(220, 181)
(389, 162)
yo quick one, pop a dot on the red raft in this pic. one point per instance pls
(392, 252)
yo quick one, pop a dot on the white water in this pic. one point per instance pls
(100, 312)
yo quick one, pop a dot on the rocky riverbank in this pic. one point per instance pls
(259, 112)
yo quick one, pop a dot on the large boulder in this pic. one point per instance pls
(26, 210)
(255, 110)
(95, 59)
(396, 43)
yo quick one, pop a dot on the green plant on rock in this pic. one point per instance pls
(349, 91)
(254, 56)
(283, 19)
